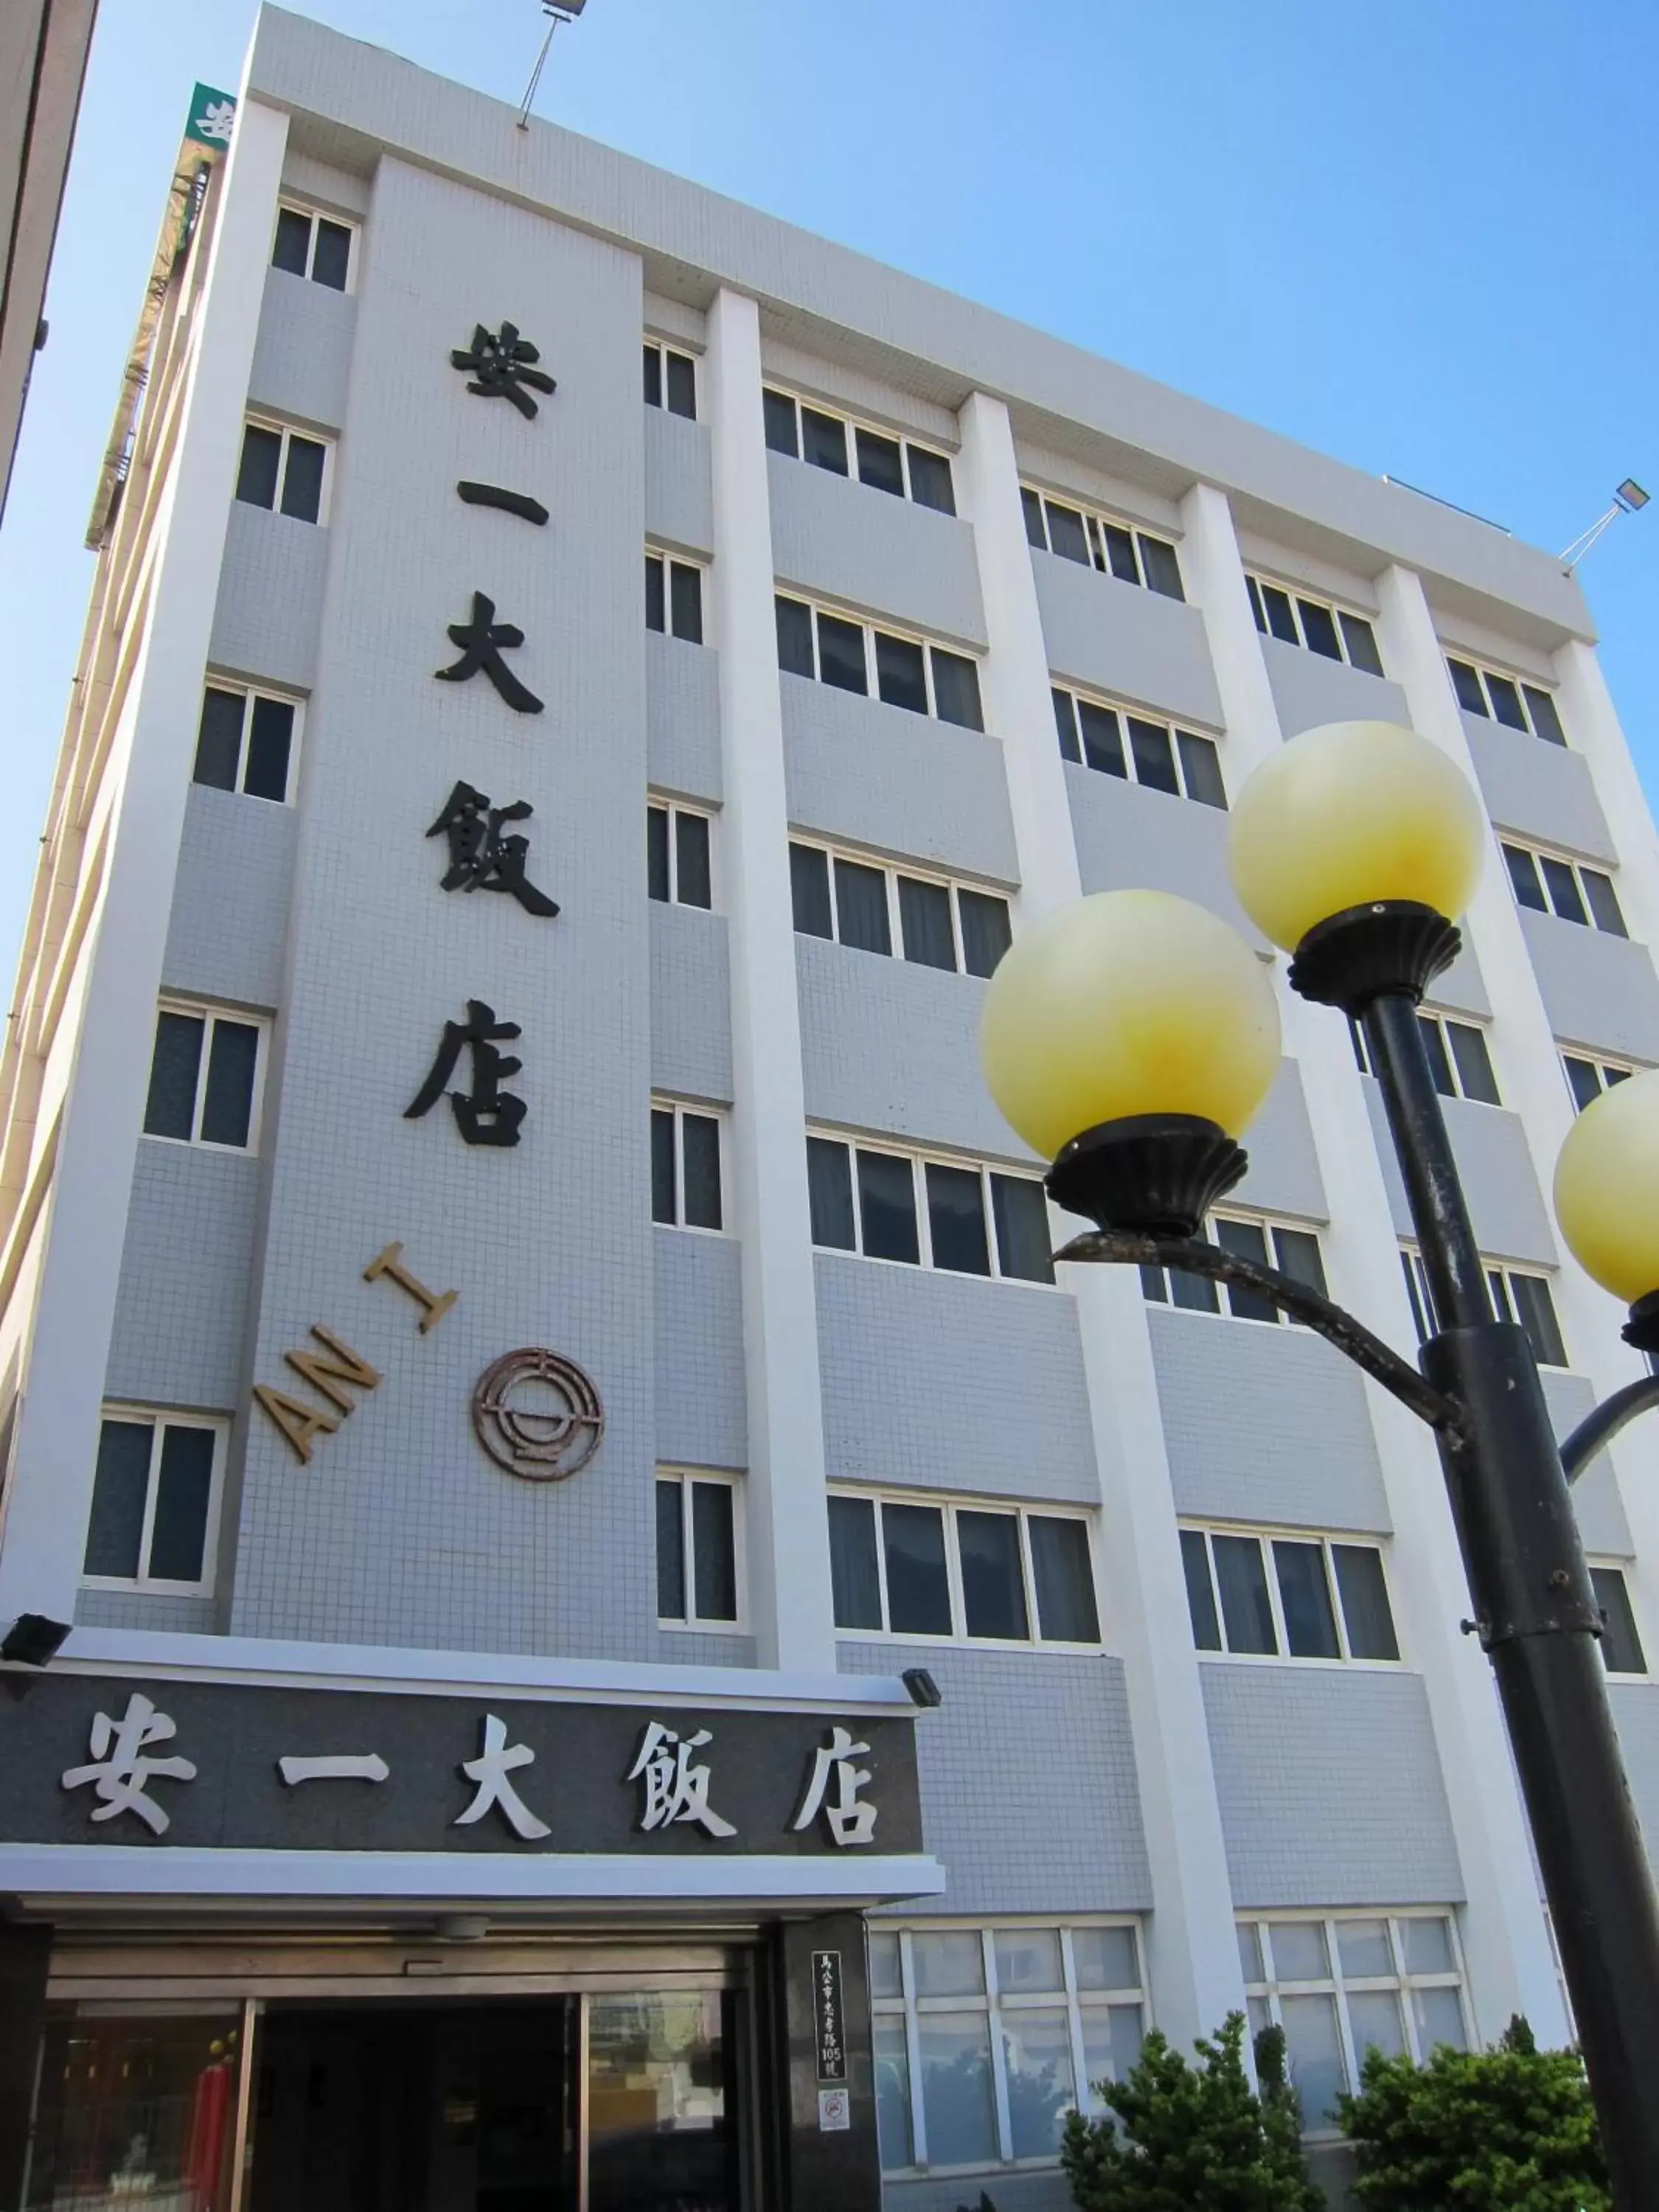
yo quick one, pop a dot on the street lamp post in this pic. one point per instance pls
(1131, 1037)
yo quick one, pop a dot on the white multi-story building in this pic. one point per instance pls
(530, 1359)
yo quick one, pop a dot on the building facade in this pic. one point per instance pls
(630, 1635)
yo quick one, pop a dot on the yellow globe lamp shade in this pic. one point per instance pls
(1350, 815)
(1128, 1003)
(1606, 1189)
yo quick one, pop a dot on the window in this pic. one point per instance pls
(246, 742)
(1517, 1296)
(853, 656)
(697, 1573)
(1567, 889)
(949, 1214)
(685, 1167)
(677, 848)
(154, 1501)
(986, 2037)
(314, 245)
(1621, 1646)
(1588, 1079)
(673, 597)
(903, 1567)
(889, 464)
(205, 1079)
(1338, 1983)
(1314, 624)
(1458, 1057)
(1133, 557)
(283, 469)
(877, 909)
(1505, 699)
(1179, 762)
(1294, 1252)
(671, 379)
(1289, 1596)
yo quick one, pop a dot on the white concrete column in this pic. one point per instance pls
(1192, 1954)
(788, 1523)
(50, 1494)
(1505, 1944)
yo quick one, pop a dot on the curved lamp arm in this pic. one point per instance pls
(1602, 1427)
(1351, 1338)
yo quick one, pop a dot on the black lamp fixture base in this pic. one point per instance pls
(1392, 948)
(1157, 1174)
(1641, 1331)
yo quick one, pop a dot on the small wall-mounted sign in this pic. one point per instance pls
(835, 2111)
(829, 2032)
(553, 1429)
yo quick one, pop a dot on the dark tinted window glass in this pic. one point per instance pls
(956, 690)
(1546, 721)
(925, 920)
(955, 1220)
(1065, 1584)
(1244, 1604)
(1249, 1240)
(653, 398)
(177, 1535)
(794, 636)
(1119, 553)
(1066, 726)
(170, 1109)
(685, 594)
(1475, 1071)
(930, 480)
(1603, 902)
(1523, 876)
(782, 432)
(993, 1584)
(700, 1136)
(1297, 1252)
(1505, 702)
(656, 601)
(1583, 1079)
(1309, 1623)
(1417, 1295)
(664, 1174)
(1200, 1596)
(861, 907)
(120, 1486)
(887, 1207)
(1535, 1311)
(854, 1574)
(293, 244)
(1066, 535)
(1154, 1283)
(256, 479)
(824, 441)
(1361, 641)
(1162, 568)
(809, 890)
(1364, 1596)
(1033, 510)
(219, 738)
(670, 1553)
(1154, 755)
(918, 1587)
(1200, 764)
(333, 255)
(682, 385)
(841, 654)
(880, 462)
(901, 676)
(1612, 1075)
(303, 480)
(1439, 1063)
(1020, 1211)
(1102, 738)
(270, 741)
(1197, 1293)
(1281, 616)
(691, 860)
(829, 1190)
(227, 1108)
(985, 932)
(714, 1552)
(1560, 882)
(1253, 593)
(1465, 682)
(1621, 1646)
(656, 853)
(1319, 630)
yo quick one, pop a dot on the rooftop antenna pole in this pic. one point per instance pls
(1629, 499)
(557, 12)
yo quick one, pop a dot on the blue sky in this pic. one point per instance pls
(1420, 237)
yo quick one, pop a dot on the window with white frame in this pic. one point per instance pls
(154, 1501)
(1179, 762)
(1518, 1294)
(976, 1573)
(1096, 541)
(986, 2037)
(1547, 883)
(699, 1547)
(685, 1166)
(1458, 1057)
(1265, 1595)
(310, 244)
(1340, 1983)
(1588, 1079)
(671, 379)
(878, 458)
(1316, 625)
(284, 470)
(1294, 1252)
(678, 866)
(244, 742)
(1506, 699)
(1621, 1646)
(673, 597)
(925, 919)
(856, 656)
(957, 1215)
(204, 1077)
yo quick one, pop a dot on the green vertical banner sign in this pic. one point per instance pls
(212, 117)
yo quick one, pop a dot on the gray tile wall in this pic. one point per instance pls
(271, 598)
(1308, 689)
(1131, 644)
(679, 498)
(1130, 837)
(1600, 1509)
(227, 936)
(1636, 1715)
(302, 356)
(1283, 1176)
(1490, 1146)
(702, 1412)
(154, 1609)
(1599, 991)
(182, 1308)
(884, 555)
(683, 710)
(690, 1003)
(1538, 790)
(1462, 989)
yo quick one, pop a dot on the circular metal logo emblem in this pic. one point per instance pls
(538, 1415)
